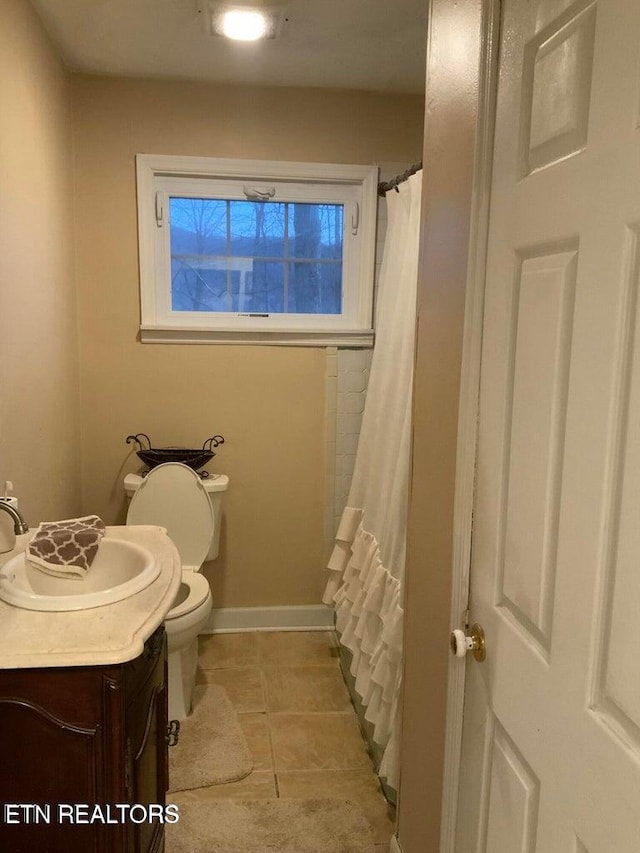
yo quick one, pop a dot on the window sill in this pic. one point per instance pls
(169, 335)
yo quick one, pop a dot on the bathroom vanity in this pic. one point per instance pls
(84, 735)
(83, 721)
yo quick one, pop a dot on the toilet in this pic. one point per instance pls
(174, 496)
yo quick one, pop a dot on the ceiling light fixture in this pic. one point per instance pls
(244, 23)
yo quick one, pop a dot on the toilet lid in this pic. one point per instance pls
(172, 496)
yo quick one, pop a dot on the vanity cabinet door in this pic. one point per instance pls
(52, 747)
(83, 735)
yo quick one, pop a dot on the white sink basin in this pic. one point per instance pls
(119, 570)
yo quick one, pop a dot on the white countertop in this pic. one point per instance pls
(111, 634)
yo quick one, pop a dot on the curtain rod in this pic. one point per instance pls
(385, 186)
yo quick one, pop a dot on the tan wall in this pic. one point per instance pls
(450, 130)
(39, 435)
(268, 402)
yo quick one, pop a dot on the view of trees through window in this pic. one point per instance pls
(256, 257)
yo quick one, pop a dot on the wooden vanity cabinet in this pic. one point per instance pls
(91, 735)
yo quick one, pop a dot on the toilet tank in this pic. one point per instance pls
(215, 485)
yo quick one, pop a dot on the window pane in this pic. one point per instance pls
(257, 229)
(261, 290)
(315, 230)
(315, 288)
(198, 284)
(237, 256)
(198, 226)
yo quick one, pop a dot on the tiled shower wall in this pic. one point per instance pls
(347, 377)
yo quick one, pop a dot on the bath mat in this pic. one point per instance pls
(270, 826)
(211, 749)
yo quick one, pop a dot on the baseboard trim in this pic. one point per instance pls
(394, 846)
(226, 620)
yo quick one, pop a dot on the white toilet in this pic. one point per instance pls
(172, 495)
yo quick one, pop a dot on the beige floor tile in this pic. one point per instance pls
(317, 742)
(290, 648)
(243, 684)
(259, 785)
(360, 786)
(224, 650)
(256, 730)
(306, 688)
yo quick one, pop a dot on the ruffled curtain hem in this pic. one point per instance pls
(367, 602)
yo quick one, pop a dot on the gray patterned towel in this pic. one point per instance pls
(66, 548)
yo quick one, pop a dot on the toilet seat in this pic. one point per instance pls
(172, 496)
(193, 591)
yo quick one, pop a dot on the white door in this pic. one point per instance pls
(551, 743)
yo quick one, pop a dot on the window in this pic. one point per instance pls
(256, 252)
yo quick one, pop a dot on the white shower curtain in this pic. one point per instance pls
(367, 563)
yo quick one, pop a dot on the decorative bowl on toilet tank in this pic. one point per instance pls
(193, 457)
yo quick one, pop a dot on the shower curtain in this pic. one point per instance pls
(367, 564)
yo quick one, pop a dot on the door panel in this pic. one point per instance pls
(616, 696)
(551, 744)
(556, 81)
(538, 359)
(512, 797)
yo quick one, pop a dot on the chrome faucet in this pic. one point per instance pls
(19, 524)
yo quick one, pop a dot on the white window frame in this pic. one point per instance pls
(159, 176)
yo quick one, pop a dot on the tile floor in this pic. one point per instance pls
(294, 708)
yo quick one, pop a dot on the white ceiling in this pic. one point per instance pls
(353, 44)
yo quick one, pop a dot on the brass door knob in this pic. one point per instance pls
(462, 643)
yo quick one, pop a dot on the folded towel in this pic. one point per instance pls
(66, 548)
